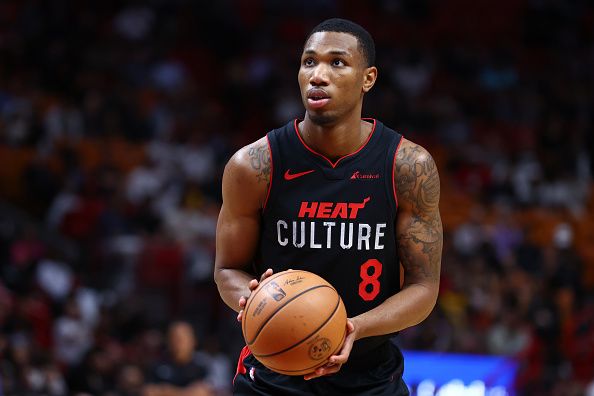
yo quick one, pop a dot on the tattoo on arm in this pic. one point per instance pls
(419, 242)
(260, 161)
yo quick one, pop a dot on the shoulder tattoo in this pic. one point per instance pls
(418, 187)
(259, 156)
(417, 179)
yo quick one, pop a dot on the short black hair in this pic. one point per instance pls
(339, 25)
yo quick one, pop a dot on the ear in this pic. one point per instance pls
(369, 77)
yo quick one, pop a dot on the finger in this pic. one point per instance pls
(341, 358)
(345, 351)
(350, 327)
(266, 274)
(338, 359)
(343, 354)
(326, 369)
(253, 284)
(318, 373)
(332, 368)
(242, 301)
(240, 315)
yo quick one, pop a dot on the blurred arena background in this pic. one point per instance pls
(116, 119)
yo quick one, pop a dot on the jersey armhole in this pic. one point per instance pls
(271, 174)
(275, 164)
(394, 186)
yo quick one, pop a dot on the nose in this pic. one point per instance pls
(319, 76)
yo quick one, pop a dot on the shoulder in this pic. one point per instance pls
(415, 173)
(412, 153)
(249, 170)
(252, 159)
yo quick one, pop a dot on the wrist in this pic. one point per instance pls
(358, 327)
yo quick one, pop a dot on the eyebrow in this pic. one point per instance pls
(333, 52)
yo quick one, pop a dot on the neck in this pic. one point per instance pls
(338, 139)
(183, 358)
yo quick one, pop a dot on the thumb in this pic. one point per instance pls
(350, 327)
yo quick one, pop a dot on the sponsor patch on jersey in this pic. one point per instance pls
(364, 176)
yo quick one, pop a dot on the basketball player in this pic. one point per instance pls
(346, 198)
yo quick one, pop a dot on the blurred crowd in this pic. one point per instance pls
(116, 119)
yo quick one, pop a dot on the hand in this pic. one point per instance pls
(252, 285)
(335, 362)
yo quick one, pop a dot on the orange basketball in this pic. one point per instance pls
(293, 322)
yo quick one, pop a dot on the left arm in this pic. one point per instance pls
(419, 239)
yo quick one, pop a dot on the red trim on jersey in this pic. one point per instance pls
(245, 352)
(271, 173)
(335, 164)
(393, 170)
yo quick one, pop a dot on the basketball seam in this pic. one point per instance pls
(251, 299)
(279, 309)
(316, 365)
(309, 335)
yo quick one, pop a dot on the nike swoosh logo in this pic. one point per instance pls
(291, 176)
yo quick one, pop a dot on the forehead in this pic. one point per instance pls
(329, 42)
(180, 330)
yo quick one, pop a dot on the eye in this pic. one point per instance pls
(308, 62)
(337, 62)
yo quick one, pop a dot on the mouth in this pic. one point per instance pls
(317, 98)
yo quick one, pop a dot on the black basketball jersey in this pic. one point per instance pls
(336, 219)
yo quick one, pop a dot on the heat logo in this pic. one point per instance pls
(331, 210)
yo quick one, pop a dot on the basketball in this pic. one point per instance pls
(293, 322)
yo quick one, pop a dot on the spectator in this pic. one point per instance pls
(95, 375)
(130, 381)
(72, 336)
(180, 373)
(510, 335)
(218, 364)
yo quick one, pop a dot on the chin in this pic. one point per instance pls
(322, 119)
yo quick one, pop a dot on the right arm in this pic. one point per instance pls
(246, 181)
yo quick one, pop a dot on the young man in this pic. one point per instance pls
(346, 198)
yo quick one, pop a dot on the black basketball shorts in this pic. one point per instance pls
(384, 379)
